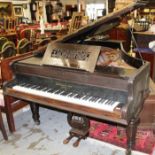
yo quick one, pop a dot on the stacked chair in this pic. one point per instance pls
(8, 49)
(24, 46)
(44, 42)
(3, 40)
(8, 52)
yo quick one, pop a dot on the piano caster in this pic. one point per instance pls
(37, 122)
(76, 143)
(80, 128)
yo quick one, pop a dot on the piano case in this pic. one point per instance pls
(147, 115)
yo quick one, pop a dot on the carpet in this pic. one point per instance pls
(145, 140)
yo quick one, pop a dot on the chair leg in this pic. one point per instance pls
(2, 127)
(9, 114)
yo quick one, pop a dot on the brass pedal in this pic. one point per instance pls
(77, 142)
(67, 140)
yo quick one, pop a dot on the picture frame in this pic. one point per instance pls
(18, 11)
(5, 9)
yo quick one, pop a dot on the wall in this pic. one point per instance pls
(26, 12)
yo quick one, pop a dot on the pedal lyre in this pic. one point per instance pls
(80, 128)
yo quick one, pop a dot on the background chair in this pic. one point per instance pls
(8, 43)
(24, 46)
(3, 40)
(8, 50)
(76, 21)
(44, 42)
(29, 34)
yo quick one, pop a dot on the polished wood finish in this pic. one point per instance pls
(2, 128)
(135, 84)
(12, 104)
(149, 56)
(147, 116)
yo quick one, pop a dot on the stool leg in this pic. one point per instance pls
(2, 127)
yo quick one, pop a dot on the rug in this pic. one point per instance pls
(145, 140)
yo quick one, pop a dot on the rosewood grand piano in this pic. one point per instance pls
(85, 79)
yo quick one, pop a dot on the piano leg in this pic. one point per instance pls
(131, 135)
(80, 128)
(35, 112)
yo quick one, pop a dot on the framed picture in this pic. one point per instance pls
(5, 9)
(18, 11)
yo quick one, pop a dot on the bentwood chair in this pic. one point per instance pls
(29, 34)
(24, 46)
(44, 42)
(3, 40)
(8, 50)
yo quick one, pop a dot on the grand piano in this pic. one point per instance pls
(86, 75)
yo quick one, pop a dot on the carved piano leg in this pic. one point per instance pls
(80, 128)
(131, 135)
(35, 112)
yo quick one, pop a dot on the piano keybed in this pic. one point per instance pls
(89, 96)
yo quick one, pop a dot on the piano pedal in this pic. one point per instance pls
(80, 128)
(76, 143)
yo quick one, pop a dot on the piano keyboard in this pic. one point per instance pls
(74, 97)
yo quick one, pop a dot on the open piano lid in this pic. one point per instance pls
(75, 56)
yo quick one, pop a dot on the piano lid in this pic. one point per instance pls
(102, 25)
(76, 56)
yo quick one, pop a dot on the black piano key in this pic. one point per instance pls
(112, 102)
(51, 90)
(23, 84)
(102, 101)
(65, 93)
(108, 102)
(34, 86)
(86, 97)
(79, 96)
(96, 99)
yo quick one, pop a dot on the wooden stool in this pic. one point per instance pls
(2, 127)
